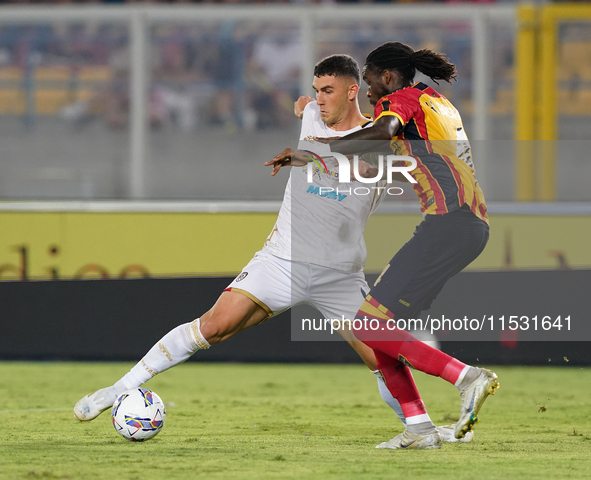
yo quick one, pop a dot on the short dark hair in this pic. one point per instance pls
(339, 66)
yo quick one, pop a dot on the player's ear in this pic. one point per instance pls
(353, 91)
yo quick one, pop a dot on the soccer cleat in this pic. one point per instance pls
(91, 406)
(408, 440)
(472, 398)
(446, 432)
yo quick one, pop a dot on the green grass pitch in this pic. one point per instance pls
(241, 421)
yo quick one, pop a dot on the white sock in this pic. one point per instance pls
(174, 348)
(387, 396)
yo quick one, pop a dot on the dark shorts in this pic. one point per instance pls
(442, 245)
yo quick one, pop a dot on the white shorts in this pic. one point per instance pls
(277, 284)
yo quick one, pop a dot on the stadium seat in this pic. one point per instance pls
(11, 74)
(12, 102)
(503, 102)
(96, 73)
(50, 102)
(59, 73)
(575, 61)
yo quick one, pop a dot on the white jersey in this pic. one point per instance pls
(323, 222)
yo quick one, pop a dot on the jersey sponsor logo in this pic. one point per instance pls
(326, 192)
(396, 147)
(318, 172)
(242, 276)
(446, 110)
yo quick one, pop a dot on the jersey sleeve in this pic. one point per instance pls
(401, 104)
(307, 129)
(310, 125)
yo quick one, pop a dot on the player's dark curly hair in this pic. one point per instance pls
(339, 66)
(406, 61)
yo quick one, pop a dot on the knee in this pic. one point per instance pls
(215, 328)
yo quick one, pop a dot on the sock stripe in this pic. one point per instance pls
(198, 341)
(372, 301)
(461, 376)
(416, 419)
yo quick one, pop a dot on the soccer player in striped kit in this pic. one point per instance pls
(419, 122)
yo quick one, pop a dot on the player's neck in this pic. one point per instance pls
(353, 118)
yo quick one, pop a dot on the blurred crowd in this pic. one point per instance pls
(235, 1)
(236, 74)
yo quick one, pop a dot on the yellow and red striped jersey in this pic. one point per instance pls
(432, 133)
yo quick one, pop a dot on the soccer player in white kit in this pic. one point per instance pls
(322, 266)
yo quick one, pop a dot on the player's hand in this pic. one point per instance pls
(325, 139)
(365, 170)
(300, 104)
(289, 156)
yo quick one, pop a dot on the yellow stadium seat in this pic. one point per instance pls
(575, 60)
(84, 94)
(50, 102)
(503, 102)
(583, 105)
(12, 102)
(11, 74)
(566, 101)
(95, 74)
(52, 73)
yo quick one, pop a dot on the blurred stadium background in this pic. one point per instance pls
(132, 136)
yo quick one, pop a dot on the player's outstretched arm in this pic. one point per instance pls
(289, 156)
(370, 139)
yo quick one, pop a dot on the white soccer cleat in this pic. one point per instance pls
(408, 440)
(472, 398)
(91, 406)
(446, 432)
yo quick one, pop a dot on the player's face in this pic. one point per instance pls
(376, 88)
(333, 95)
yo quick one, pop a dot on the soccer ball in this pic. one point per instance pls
(138, 414)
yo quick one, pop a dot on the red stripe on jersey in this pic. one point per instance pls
(441, 207)
(457, 178)
(420, 123)
(474, 203)
(420, 191)
(408, 146)
(482, 210)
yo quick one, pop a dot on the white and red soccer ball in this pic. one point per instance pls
(138, 414)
